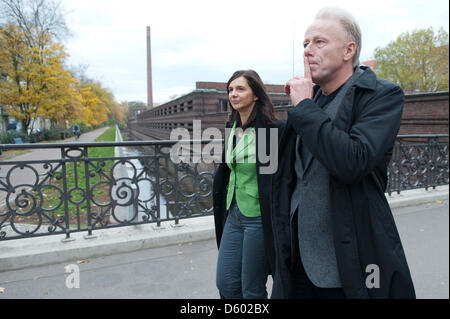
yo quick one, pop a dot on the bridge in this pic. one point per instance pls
(69, 206)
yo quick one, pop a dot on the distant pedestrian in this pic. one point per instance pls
(242, 195)
(76, 131)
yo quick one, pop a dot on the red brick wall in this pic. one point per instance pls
(221, 86)
(425, 114)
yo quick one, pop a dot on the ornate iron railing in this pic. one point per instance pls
(418, 161)
(73, 191)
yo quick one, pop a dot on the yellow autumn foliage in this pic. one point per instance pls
(34, 83)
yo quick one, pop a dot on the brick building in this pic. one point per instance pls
(208, 102)
(424, 113)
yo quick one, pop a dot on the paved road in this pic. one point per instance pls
(424, 231)
(188, 270)
(39, 154)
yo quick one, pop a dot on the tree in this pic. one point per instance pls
(93, 110)
(115, 111)
(38, 20)
(33, 79)
(62, 100)
(417, 60)
(98, 102)
(131, 108)
(34, 82)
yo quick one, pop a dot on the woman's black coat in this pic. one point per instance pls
(220, 183)
(356, 148)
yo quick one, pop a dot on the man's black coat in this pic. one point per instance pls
(356, 148)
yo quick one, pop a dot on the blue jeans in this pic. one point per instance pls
(242, 266)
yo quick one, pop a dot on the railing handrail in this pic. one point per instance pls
(4, 147)
(150, 142)
(421, 135)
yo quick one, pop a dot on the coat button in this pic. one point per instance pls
(305, 183)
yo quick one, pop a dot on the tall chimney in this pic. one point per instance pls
(149, 71)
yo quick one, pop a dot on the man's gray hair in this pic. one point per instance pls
(349, 24)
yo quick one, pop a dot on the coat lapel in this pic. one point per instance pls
(229, 151)
(304, 167)
(308, 162)
(336, 105)
(244, 145)
(301, 167)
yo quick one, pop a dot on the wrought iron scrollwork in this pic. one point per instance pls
(78, 192)
(418, 161)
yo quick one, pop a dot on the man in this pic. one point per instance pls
(76, 131)
(333, 229)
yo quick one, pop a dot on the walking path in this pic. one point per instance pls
(27, 176)
(56, 153)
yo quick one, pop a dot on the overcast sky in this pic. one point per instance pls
(200, 40)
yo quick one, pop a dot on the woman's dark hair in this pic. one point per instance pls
(263, 104)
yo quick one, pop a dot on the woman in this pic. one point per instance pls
(242, 194)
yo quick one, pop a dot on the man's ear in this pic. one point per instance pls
(350, 50)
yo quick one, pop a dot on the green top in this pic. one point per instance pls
(243, 178)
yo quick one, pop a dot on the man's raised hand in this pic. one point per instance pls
(300, 88)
